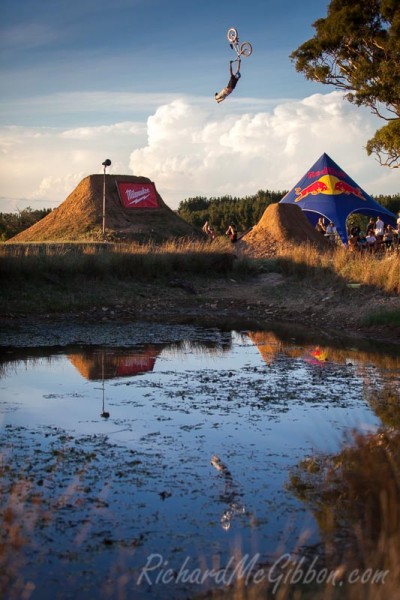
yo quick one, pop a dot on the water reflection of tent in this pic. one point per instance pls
(327, 191)
(270, 346)
(108, 363)
(316, 356)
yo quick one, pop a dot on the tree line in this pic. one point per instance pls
(220, 212)
(245, 212)
(13, 223)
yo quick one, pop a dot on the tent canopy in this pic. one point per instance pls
(327, 191)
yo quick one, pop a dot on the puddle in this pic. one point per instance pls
(130, 469)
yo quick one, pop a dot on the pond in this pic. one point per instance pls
(139, 465)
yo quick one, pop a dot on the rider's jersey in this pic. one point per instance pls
(232, 82)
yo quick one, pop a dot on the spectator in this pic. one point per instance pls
(362, 241)
(379, 229)
(398, 232)
(371, 241)
(330, 232)
(388, 237)
(208, 230)
(320, 226)
(371, 225)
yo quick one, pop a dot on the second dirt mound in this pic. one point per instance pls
(280, 224)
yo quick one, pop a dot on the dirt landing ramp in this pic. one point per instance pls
(279, 225)
(79, 217)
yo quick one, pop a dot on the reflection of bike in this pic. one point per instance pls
(241, 49)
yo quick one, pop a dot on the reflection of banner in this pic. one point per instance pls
(137, 195)
(131, 365)
(115, 362)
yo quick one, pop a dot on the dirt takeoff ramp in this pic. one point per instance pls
(132, 214)
(280, 224)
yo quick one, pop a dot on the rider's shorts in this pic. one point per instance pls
(223, 94)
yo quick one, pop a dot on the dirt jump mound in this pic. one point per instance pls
(280, 224)
(130, 217)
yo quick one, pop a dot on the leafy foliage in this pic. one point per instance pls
(13, 223)
(220, 212)
(357, 49)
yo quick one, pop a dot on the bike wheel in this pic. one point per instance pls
(246, 49)
(232, 35)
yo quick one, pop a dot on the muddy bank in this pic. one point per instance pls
(262, 302)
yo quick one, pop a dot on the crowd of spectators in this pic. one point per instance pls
(377, 237)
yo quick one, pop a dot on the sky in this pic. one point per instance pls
(134, 81)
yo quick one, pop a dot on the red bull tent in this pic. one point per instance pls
(327, 191)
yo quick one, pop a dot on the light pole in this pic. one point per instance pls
(105, 164)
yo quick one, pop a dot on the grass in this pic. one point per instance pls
(387, 317)
(54, 277)
(113, 260)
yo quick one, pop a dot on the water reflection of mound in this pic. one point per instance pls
(110, 363)
(96, 363)
(270, 345)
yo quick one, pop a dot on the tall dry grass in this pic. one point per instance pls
(381, 271)
(68, 261)
(53, 277)
(94, 259)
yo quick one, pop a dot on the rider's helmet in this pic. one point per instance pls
(238, 75)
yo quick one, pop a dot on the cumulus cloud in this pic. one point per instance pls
(40, 166)
(190, 148)
(194, 152)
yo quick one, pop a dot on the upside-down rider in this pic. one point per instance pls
(231, 83)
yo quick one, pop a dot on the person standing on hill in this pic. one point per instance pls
(232, 233)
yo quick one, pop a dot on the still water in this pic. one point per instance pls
(125, 464)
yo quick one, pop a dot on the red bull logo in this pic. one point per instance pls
(318, 187)
(328, 184)
(342, 187)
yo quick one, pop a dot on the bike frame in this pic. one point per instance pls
(241, 49)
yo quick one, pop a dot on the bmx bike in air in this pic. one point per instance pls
(241, 49)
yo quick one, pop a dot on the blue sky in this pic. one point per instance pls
(134, 80)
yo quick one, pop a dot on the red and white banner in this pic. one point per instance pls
(137, 195)
(132, 365)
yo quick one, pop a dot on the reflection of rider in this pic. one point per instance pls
(231, 83)
(231, 495)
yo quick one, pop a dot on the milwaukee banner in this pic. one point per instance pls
(137, 195)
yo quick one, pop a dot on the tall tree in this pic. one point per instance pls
(357, 49)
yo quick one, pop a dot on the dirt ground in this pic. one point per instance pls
(257, 303)
(272, 297)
